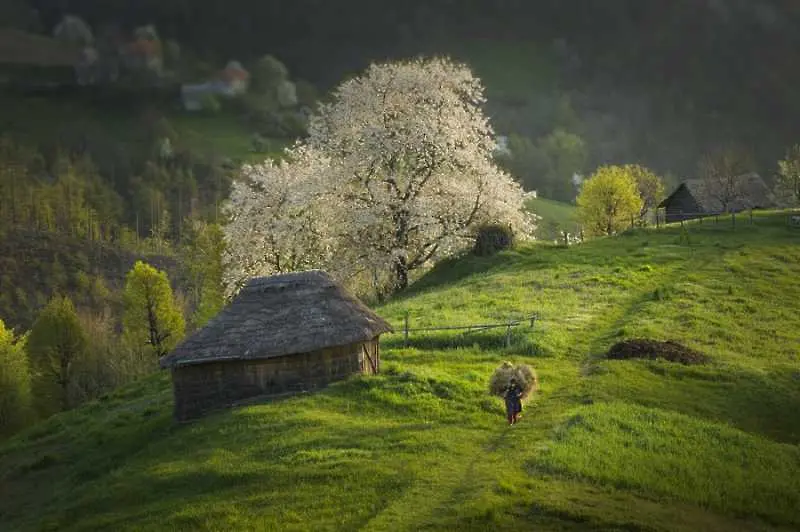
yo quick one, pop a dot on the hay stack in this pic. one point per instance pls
(525, 375)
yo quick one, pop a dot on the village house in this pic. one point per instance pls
(281, 334)
(36, 59)
(696, 198)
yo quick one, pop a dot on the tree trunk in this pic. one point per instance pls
(63, 381)
(400, 274)
(400, 219)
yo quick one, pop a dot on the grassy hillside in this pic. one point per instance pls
(52, 119)
(556, 216)
(607, 445)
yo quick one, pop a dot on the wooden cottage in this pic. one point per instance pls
(36, 58)
(696, 198)
(280, 334)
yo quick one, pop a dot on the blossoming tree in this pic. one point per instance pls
(396, 173)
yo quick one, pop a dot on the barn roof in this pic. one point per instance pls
(754, 194)
(22, 48)
(280, 315)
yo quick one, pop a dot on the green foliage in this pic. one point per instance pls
(609, 201)
(547, 165)
(650, 186)
(493, 238)
(56, 342)
(201, 255)
(266, 74)
(789, 175)
(16, 408)
(151, 316)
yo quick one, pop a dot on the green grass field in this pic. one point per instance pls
(38, 120)
(606, 445)
(556, 216)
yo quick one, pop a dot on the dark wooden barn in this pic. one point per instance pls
(696, 198)
(281, 334)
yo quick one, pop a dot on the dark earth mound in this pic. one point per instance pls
(652, 349)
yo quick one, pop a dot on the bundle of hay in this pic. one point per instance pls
(524, 374)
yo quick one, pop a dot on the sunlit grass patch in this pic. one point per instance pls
(673, 455)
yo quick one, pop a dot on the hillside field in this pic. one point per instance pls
(607, 445)
(556, 216)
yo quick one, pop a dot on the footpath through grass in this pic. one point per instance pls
(607, 445)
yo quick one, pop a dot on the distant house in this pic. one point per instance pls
(284, 333)
(230, 82)
(36, 58)
(695, 198)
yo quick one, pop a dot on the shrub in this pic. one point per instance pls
(525, 375)
(493, 238)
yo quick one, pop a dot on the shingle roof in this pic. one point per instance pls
(753, 193)
(281, 315)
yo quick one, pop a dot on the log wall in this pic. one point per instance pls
(204, 387)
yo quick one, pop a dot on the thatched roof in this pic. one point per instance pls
(22, 48)
(281, 315)
(753, 192)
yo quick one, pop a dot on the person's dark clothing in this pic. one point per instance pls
(513, 398)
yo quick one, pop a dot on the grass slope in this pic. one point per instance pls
(556, 216)
(607, 445)
(42, 119)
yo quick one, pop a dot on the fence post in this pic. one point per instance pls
(405, 330)
(733, 219)
(508, 333)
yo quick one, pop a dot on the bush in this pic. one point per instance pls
(493, 238)
(525, 375)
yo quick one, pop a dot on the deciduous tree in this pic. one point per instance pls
(202, 256)
(15, 383)
(151, 317)
(397, 171)
(609, 200)
(56, 342)
(789, 175)
(723, 173)
(650, 186)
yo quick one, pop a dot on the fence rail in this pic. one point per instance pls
(663, 219)
(510, 324)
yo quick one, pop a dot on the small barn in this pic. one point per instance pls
(36, 59)
(280, 334)
(696, 198)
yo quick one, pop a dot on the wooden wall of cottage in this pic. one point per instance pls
(204, 387)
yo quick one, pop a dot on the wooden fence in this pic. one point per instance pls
(509, 325)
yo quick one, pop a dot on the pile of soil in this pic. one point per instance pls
(652, 349)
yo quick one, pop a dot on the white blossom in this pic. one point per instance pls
(397, 172)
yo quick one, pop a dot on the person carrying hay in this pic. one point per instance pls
(513, 399)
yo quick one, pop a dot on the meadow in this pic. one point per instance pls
(605, 445)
